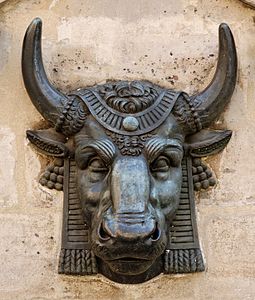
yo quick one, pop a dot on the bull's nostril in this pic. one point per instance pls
(103, 234)
(156, 233)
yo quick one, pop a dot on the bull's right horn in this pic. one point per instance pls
(47, 100)
(210, 103)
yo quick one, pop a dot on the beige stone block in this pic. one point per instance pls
(8, 191)
(35, 236)
(29, 249)
(228, 241)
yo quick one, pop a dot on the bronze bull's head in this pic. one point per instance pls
(132, 157)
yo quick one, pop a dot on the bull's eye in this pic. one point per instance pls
(161, 164)
(96, 164)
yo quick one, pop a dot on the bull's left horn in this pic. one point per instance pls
(47, 100)
(212, 100)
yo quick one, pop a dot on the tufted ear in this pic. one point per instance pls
(49, 142)
(206, 142)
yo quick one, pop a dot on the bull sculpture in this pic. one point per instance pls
(128, 157)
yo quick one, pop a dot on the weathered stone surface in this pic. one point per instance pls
(8, 189)
(228, 240)
(31, 232)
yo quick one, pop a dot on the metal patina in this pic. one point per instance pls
(128, 158)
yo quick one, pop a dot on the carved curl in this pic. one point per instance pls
(128, 97)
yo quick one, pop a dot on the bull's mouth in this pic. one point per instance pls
(131, 260)
(129, 265)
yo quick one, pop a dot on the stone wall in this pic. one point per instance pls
(171, 43)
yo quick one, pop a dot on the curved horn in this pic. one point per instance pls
(212, 100)
(47, 100)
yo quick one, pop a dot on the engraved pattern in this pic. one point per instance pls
(128, 97)
(49, 147)
(202, 175)
(77, 262)
(148, 119)
(211, 148)
(183, 261)
(73, 116)
(129, 145)
(77, 233)
(184, 114)
(182, 228)
(184, 254)
(53, 176)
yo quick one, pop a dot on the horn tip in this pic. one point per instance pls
(36, 23)
(224, 28)
(33, 31)
(224, 25)
(37, 20)
(226, 37)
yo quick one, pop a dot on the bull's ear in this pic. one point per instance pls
(205, 142)
(49, 142)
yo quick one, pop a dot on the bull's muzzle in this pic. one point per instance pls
(130, 228)
(131, 217)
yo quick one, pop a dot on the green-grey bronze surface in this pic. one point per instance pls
(128, 158)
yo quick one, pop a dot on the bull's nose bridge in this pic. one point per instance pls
(130, 187)
(131, 218)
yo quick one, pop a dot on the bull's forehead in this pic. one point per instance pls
(92, 129)
(95, 135)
